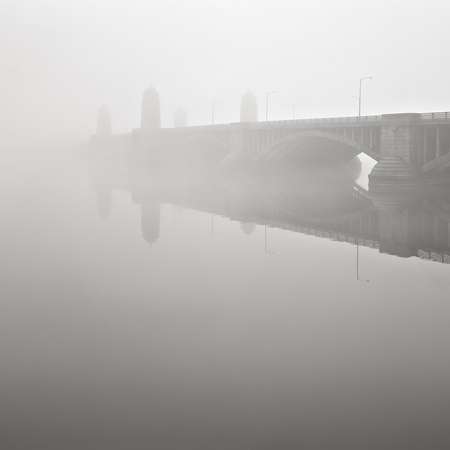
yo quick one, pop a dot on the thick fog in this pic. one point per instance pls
(236, 287)
(62, 59)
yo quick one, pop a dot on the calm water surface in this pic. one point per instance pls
(137, 315)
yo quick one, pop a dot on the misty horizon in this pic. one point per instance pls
(225, 225)
(76, 56)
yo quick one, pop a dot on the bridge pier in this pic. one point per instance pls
(398, 166)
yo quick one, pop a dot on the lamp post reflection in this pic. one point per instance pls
(267, 250)
(357, 263)
(268, 94)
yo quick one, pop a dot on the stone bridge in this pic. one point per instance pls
(405, 145)
(419, 143)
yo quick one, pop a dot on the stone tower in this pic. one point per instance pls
(249, 108)
(150, 111)
(103, 122)
(180, 118)
(150, 220)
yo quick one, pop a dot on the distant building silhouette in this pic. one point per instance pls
(104, 122)
(249, 108)
(150, 111)
(180, 118)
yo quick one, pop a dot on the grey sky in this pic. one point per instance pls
(62, 59)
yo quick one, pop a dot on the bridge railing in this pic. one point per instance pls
(332, 121)
(353, 120)
(319, 121)
(444, 115)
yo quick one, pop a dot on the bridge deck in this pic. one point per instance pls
(346, 121)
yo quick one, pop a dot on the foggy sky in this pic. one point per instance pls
(62, 59)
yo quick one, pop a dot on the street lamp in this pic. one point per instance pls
(267, 250)
(361, 80)
(360, 93)
(268, 94)
(213, 112)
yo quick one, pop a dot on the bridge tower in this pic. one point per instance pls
(150, 111)
(239, 131)
(103, 122)
(180, 118)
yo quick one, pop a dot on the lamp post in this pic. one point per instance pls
(357, 259)
(361, 80)
(265, 239)
(268, 94)
(213, 112)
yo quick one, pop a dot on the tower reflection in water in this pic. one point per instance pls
(150, 220)
(318, 203)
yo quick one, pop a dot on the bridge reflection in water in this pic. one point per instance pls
(324, 202)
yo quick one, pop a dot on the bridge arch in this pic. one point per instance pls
(313, 144)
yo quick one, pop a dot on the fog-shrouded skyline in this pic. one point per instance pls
(62, 60)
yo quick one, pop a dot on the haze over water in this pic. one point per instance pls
(217, 333)
(167, 284)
